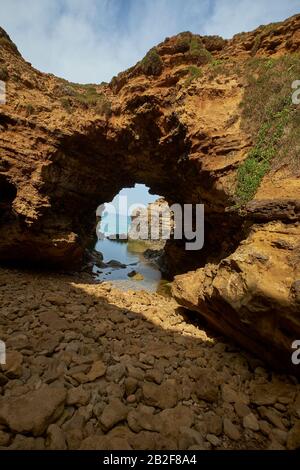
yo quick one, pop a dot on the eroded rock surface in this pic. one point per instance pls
(253, 294)
(67, 148)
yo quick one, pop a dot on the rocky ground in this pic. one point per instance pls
(89, 367)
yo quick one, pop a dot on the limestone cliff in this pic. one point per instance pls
(183, 122)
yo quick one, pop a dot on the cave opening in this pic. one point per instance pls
(132, 231)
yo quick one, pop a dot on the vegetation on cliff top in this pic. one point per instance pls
(152, 63)
(269, 114)
(87, 96)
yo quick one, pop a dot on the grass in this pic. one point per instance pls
(29, 109)
(198, 51)
(258, 161)
(269, 114)
(193, 73)
(152, 63)
(88, 97)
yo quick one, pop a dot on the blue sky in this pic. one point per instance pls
(89, 41)
(137, 195)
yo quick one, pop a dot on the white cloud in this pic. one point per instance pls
(92, 40)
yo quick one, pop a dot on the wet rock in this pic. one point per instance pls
(135, 276)
(116, 264)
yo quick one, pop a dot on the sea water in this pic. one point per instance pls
(128, 253)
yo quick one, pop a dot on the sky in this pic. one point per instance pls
(90, 41)
(135, 196)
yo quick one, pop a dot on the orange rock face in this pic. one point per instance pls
(173, 122)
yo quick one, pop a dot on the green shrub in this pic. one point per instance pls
(214, 43)
(88, 97)
(29, 109)
(193, 73)
(269, 114)
(152, 63)
(183, 42)
(258, 161)
(66, 104)
(198, 51)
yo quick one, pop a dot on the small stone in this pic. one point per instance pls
(228, 394)
(98, 370)
(115, 373)
(135, 372)
(146, 359)
(250, 422)
(241, 409)
(275, 446)
(214, 440)
(13, 367)
(131, 399)
(206, 388)
(188, 437)
(56, 438)
(171, 420)
(142, 418)
(231, 430)
(162, 396)
(271, 416)
(113, 413)
(279, 436)
(293, 439)
(4, 439)
(131, 385)
(78, 396)
(213, 423)
(154, 375)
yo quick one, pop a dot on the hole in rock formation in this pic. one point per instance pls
(132, 231)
